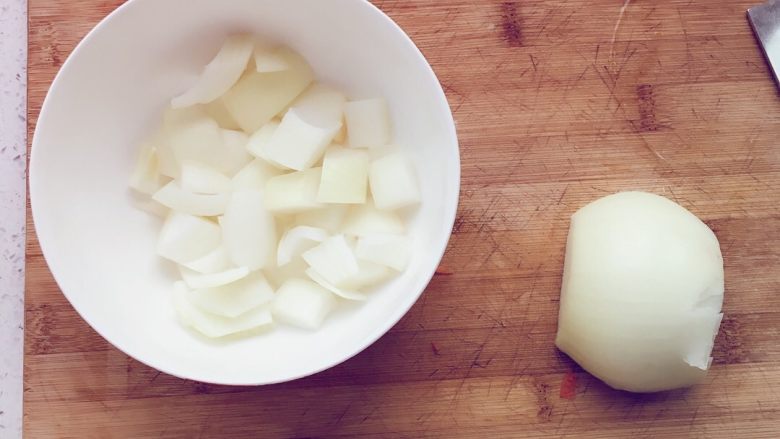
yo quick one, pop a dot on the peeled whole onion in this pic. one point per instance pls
(642, 293)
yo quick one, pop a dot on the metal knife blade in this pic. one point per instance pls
(765, 21)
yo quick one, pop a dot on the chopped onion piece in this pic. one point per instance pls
(333, 260)
(193, 279)
(303, 303)
(212, 325)
(213, 262)
(393, 182)
(234, 156)
(258, 97)
(173, 196)
(321, 105)
(202, 179)
(294, 192)
(329, 218)
(220, 74)
(297, 144)
(368, 123)
(393, 251)
(199, 140)
(234, 299)
(349, 295)
(254, 175)
(296, 241)
(146, 175)
(344, 176)
(270, 60)
(248, 230)
(259, 140)
(217, 111)
(279, 275)
(184, 237)
(368, 220)
(369, 275)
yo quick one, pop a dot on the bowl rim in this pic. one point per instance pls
(373, 335)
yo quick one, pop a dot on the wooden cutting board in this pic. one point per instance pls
(557, 103)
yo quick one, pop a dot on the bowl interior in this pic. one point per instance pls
(109, 96)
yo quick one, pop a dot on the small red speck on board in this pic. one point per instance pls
(443, 271)
(569, 386)
(435, 349)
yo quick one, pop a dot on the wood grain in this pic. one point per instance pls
(557, 103)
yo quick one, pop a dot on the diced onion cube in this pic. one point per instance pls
(369, 275)
(393, 182)
(234, 299)
(193, 279)
(258, 97)
(321, 105)
(234, 155)
(248, 230)
(344, 176)
(366, 219)
(212, 325)
(303, 303)
(254, 175)
(368, 123)
(146, 175)
(215, 261)
(296, 241)
(344, 294)
(185, 238)
(392, 251)
(220, 74)
(333, 259)
(297, 144)
(269, 60)
(294, 192)
(202, 179)
(329, 218)
(173, 196)
(259, 140)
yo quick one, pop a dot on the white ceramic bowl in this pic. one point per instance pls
(110, 94)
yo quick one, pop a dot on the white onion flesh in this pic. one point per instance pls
(233, 299)
(201, 179)
(174, 197)
(366, 219)
(368, 123)
(392, 251)
(270, 60)
(213, 262)
(294, 192)
(369, 275)
(185, 238)
(642, 293)
(193, 279)
(296, 241)
(248, 230)
(303, 303)
(220, 74)
(254, 176)
(321, 106)
(393, 182)
(344, 176)
(146, 175)
(258, 142)
(333, 259)
(212, 325)
(297, 144)
(258, 97)
(343, 293)
(217, 111)
(329, 218)
(234, 155)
